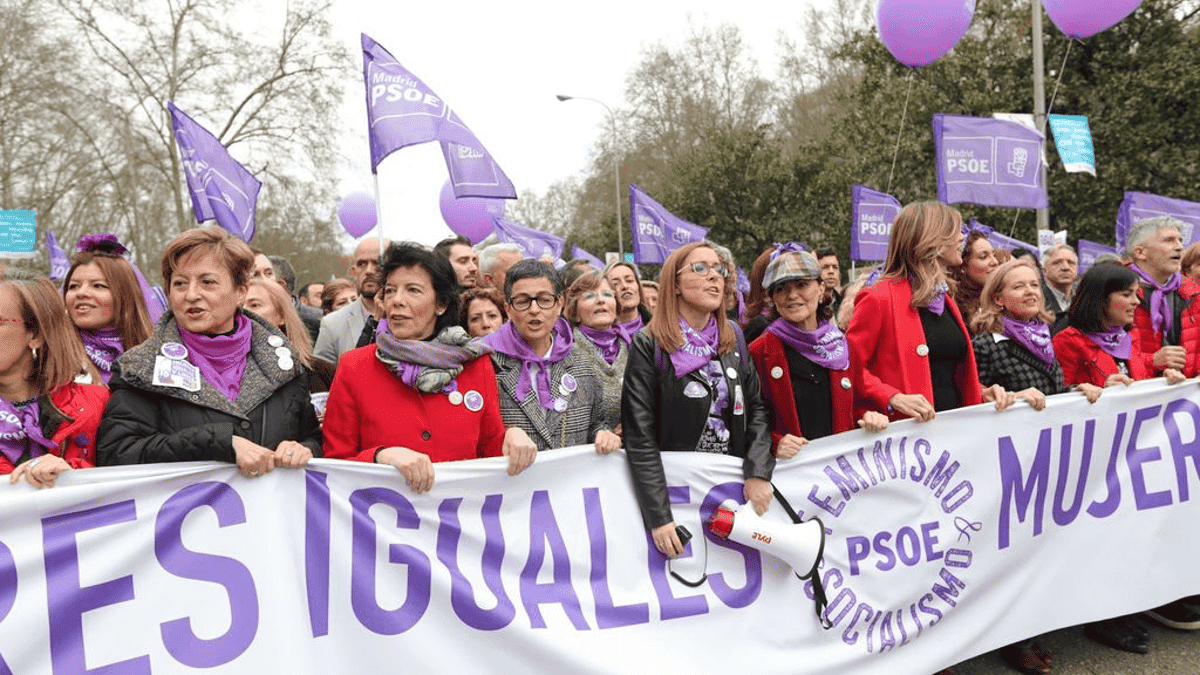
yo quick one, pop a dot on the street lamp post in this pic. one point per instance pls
(616, 165)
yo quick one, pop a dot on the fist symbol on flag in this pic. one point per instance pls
(1017, 166)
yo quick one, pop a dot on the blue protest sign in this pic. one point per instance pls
(18, 233)
(1073, 140)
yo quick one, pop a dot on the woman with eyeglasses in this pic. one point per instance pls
(915, 352)
(803, 359)
(547, 386)
(592, 309)
(48, 421)
(690, 386)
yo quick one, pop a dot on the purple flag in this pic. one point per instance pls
(1088, 250)
(981, 160)
(473, 172)
(1000, 240)
(872, 214)
(1142, 205)
(221, 188)
(534, 244)
(59, 262)
(156, 300)
(657, 231)
(401, 110)
(577, 252)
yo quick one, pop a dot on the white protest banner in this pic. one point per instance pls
(946, 539)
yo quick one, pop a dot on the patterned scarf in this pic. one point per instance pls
(221, 358)
(1033, 335)
(18, 424)
(937, 304)
(825, 346)
(1116, 342)
(506, 340)
(1161, 316)
(428, 366)
(103, 347)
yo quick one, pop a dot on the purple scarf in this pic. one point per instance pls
(1033, 335)
(937, 304)
(428, 366)
(698, 347)
(1161, 316)
(606, 341)
(103, 347)
(825, 346)
(507, 341)
(628, 328)
(19, 424)
(1116, 342)
(221, 358)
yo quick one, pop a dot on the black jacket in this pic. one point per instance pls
(1009, 364)
(146, 423)
(657, 417)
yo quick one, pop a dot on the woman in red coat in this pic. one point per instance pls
(916, 356)
(422, 393)
(47, 421)
(1097, 346)
(803, 360)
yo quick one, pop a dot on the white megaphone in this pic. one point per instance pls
(800, 545)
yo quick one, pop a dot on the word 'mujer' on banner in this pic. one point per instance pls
(533, 243)
(1142, 205)
(988, 161)
(944, 540)
(1088, 250)
(220, 187)
(1073, 140)
(872, 213)
(657, 231)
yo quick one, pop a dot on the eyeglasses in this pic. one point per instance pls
(523, 302)
(603, 295)
(702, 269)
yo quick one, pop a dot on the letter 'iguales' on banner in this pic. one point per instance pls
(945, 540)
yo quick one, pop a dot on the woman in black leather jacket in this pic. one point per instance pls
(690, 385)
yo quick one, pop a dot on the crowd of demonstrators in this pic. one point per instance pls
(212, 382)
(105, 302)
(591, 307)
(48, 421)
(423, 392)
(547, 385)
(514, 358)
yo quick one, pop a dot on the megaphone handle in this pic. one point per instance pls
(787, 508)
(820, 602)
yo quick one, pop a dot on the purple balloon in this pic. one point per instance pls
(919, 32)
(357, 213)
(470, 216)
(1084, 18)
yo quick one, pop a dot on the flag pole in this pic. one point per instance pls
(378, 215)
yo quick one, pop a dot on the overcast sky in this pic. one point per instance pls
(500, 64)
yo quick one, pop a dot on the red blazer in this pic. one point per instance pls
(70, 418)
(886, 336)
(370, 408)
(1083, 361)
(1149, 341)
(768, 354)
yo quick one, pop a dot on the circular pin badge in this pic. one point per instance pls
(275, 341)
(281, 352)
(285, 363)
(560, 405)
(456, 397)
(845, 383)
(174, 350)
(922, 350)
(568, 384)
(731, 372)
(473, 400)
(776, 372)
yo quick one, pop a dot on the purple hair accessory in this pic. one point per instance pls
(788, 247)
(105, 242)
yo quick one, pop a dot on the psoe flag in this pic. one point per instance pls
(577, 252)
(473, 172)
(401, 110)
(988, 161)
(1142, 205)
(872, 213)
(221, 188)
(533, 243)
(59, 263)
(1088, 250)
(657, 231)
